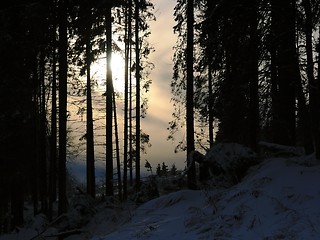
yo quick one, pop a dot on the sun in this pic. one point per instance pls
(118, 73)
(98, 72)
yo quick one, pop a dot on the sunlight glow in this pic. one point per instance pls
(98, 72)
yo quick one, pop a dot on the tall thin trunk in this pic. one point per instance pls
(63, 75)
(313, 87)
(274, 77)
(109, 122)
(53, 139)
(189, 99)
(304, 115)
(210, 106)
(43, 159)
(126, 77)
(284, 33)
(117, 146)
(90, 139)
(253, 75)
(318, 73)
(52, 188)
(137, 94)
(35, 167)
(17, 200)
(130, 113)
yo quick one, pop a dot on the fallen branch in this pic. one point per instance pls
(66, 233)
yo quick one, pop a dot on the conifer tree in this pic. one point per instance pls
(109, 84)
(189, 94)
(63, 75)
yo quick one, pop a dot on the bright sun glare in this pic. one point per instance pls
(98, 72)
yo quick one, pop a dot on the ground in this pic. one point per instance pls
(278, 199)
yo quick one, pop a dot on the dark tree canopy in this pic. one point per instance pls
(250, 78)
(46, 48)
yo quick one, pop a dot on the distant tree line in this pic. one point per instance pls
(246, 71)
(45, 48)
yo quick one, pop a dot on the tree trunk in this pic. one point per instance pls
(283, 13)
(109, 122)
(137, 94)
(130, 109)
(53, 143)
(43, 137)
(91, 183)
(210, 105)
(189, 98)
(63, 75)
(253, 74)
(126, 96)
(17, 200)
(117, 146)
(53, 138)
(314, 99)
(318, 73)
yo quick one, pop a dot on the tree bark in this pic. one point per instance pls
(253, 74)
(43, 136)
(109, 122)
(63, 76)
(53, 138)
(91, 185)
(128, 18)
(210, 106)
(314, 99)
(283, 13)
(136, 13)
(189, 95)
(117, 146)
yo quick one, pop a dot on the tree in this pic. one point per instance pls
(137, 75)
(63, 76)
(53, 137)
(252, 73)
(189, 95)
(314, 91)
(28, 43)
(128, 33)
(283, 17)
(117, 147)
(90, 138)
(109, 122)
(22, 118)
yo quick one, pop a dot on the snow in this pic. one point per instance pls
(278, 199)
(231, 159)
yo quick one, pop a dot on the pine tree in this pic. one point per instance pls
(109, 122)
(63, 75)
(89, 138)
(138, 105)
(314, 96)
(285, 54)
(189, 95)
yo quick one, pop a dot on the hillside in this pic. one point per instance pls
(278, 199)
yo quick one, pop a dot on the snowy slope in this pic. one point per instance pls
(279, 200)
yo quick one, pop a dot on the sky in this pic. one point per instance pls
(160, 108)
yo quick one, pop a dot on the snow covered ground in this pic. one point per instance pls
(278, 199)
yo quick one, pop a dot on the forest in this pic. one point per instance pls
(244, 72)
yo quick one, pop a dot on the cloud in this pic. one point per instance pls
(160, 109)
